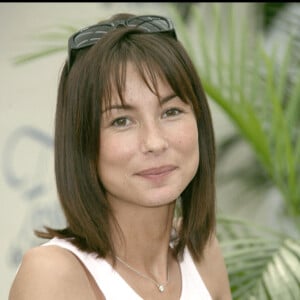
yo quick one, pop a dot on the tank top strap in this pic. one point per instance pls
(193, 287)
(111, 284)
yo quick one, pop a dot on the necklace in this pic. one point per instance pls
(161, 287)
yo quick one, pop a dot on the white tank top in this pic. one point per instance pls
(114, 287)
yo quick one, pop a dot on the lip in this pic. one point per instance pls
(157, 171)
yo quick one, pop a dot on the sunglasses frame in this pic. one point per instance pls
(94, 32)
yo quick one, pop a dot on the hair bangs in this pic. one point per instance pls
(153, 64)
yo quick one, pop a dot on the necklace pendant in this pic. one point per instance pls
(161, 288)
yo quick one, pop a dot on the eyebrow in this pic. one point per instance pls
(162, 101)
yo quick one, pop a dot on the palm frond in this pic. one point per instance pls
(261, 264)
(21, 59)
(253, 85)
(50, 41)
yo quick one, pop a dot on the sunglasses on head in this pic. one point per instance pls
(89, 36)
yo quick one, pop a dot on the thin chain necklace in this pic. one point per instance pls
(161, 287)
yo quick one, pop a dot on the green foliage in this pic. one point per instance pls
(253, 86)
(51, 42)
(257, 86)
(261, 264)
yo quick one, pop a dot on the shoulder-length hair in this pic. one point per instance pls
(81, 95)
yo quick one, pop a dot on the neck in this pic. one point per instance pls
(144, 243)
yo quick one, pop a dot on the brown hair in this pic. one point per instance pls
(78, 115)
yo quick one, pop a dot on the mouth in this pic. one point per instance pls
(159, 172)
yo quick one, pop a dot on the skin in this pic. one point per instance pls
(144, 168)
(145, 135)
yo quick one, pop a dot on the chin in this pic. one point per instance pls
(160, 199)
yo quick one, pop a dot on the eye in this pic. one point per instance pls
(121, 122)
(172, 112)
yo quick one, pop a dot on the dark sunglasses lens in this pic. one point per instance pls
(91, 35)
(150, 24)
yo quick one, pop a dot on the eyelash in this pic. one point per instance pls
(177, 111)
(114, 122)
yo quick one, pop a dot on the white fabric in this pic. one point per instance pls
(113, 286)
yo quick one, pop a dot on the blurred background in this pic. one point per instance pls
(247, 55)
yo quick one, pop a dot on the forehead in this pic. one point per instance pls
(135, 82)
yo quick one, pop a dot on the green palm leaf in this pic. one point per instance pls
(258, 89)
(261, 264)
(52, 41)
(256, 86)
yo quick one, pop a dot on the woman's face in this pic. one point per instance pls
(148, 148)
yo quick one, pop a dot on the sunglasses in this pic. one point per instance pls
(89, 36)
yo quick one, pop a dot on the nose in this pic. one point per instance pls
(153, 139)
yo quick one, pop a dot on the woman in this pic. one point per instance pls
(134, 146)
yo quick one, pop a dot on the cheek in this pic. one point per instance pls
(187, 137)
(113, 151)
(188, 146)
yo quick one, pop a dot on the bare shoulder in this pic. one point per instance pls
(213, 271)
(51, 272)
